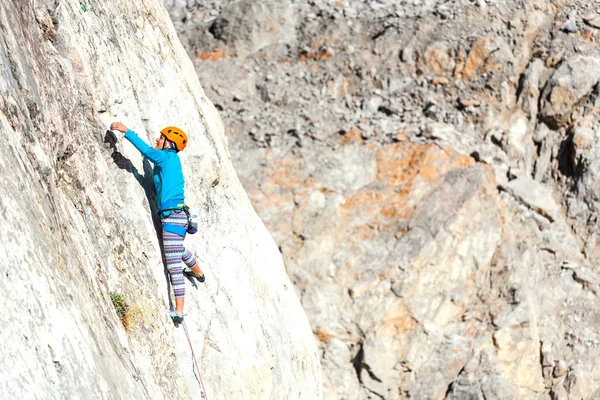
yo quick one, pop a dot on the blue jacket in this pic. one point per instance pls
(167, 173)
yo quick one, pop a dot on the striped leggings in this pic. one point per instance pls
(175, 252)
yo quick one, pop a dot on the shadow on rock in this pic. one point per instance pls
(147, 183)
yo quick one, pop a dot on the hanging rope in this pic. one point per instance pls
(199, 376)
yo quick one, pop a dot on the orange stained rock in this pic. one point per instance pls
(316, 43)
(562, 95)
(324, 55)
(387, 203)
(389, 211)
(319, 55)
(305, 57)
(399, 167)
(460, 63)
(284, 172)
(397, 320)
(463, 160)
(400, 163)
(439, 81)
(365, 197)
(588, 35)
(215, 55)
(402, 136)
(477, 56)
(437, 60)
(323, 335)
(396, 208)
(353, 135)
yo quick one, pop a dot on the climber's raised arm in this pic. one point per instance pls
(153, 154)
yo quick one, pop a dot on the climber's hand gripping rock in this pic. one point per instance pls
(117, 126)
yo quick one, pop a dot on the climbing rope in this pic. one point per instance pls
(199, 376)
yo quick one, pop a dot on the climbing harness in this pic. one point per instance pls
(173, 206)
(199, 376)
(192, 223)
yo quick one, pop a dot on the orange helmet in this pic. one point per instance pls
(176, 136)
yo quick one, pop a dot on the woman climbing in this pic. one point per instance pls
(169, 184)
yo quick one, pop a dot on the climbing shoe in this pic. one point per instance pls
(176, 317)
(188, 272)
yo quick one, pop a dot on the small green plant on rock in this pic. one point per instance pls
(121, 307)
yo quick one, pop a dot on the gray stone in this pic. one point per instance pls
(43, 161)
(560, 369)
(584, 139)
(592, 20)
(533, 81)
(535, 195)
(541, 132)
(569, 26)
(372, 105)
(247, 26)
(567, 86)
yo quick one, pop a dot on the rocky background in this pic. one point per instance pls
(428, 170)
(76, 226)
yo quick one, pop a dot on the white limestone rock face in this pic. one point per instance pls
(75, 222)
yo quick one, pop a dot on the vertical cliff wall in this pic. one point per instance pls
(75, 222)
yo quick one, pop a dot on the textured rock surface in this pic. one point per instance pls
(568, 86)
(75, 222)
(428, 169)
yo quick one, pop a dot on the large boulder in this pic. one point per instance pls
(245, 27)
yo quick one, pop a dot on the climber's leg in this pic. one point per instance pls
(189, 260)
(173, 248)
(179, 304)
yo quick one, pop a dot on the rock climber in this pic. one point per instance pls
(169, 185)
